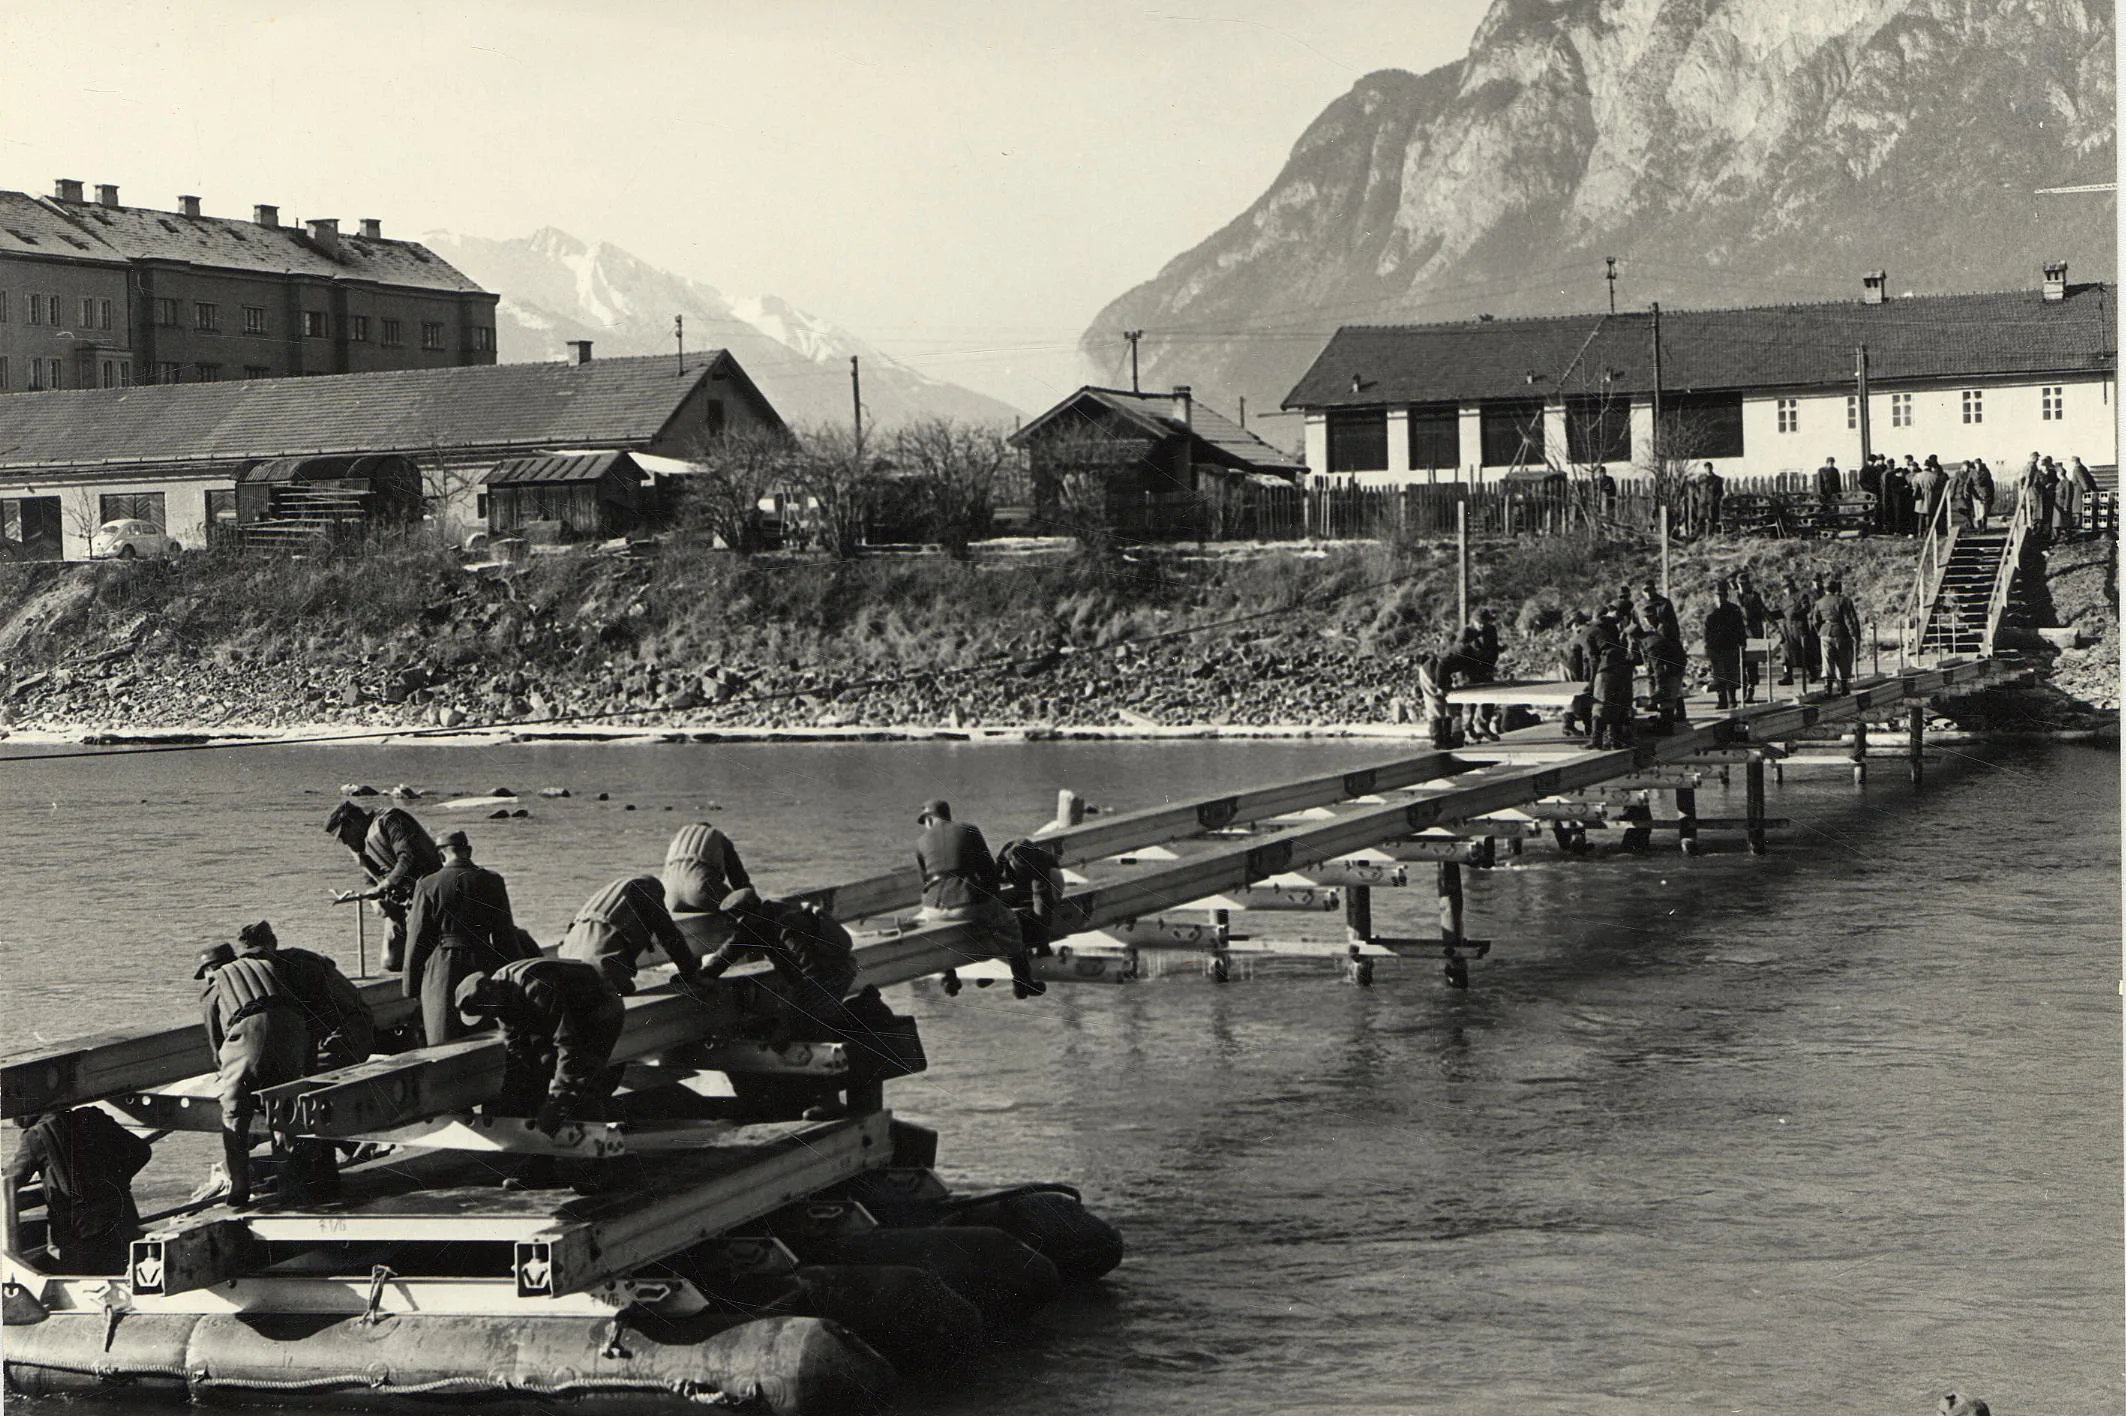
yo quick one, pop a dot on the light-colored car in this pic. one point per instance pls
(131, 538)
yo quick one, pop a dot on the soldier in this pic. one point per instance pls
(256, 1029)
(395, 851)
(620, 924)
(1613, 727)
(1031, 886)
(1757, 617)
(1658, 612)
(88, 1162)
(1838, 625)
(1829, 486)
(1726, 635)
(1982, 493)
(341, 1032)
(960, 885)
(460, 924)
(701, 866)
(560, 1020)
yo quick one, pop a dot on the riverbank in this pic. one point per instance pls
(1288, 640)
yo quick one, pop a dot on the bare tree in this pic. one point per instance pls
(733, 472)
(1074, 471)
(953, 467)
(839, 484)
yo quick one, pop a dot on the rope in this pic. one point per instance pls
(200, 1380)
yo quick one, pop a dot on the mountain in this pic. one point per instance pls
(556, 288)
(1727, 152)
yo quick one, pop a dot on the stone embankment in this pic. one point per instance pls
(1288, 637)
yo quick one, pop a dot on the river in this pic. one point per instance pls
(1832, 1129)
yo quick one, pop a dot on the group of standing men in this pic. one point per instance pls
(1915, 495)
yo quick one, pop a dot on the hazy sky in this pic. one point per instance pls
(964, 182)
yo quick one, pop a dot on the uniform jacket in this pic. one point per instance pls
(634, 918)
(462, 906)
(799, 941)
(398, 851)
(248, 984)
(1836, 619)
(564, 1004)
(957, 867)
(1726, 629)
(342, 1032)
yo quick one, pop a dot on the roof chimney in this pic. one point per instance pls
(67, 190)
(582, 348)
(107, 194)
(372, 228)
(266, 215)
(325, 234)
(1184, 406)
(2055, 280)
(1873, 286)
(188, 206)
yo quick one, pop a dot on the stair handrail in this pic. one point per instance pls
(1937, 544)
(2004, 574)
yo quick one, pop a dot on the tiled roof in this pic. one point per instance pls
(1217, 438)
(567, 405)
(1779, 346)
(560, 467)
(227, 243)
(30, 228)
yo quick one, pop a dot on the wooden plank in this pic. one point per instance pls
(607, 1236)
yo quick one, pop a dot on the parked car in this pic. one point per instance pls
(131, 538)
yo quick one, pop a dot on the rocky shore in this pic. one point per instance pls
(1291, 639)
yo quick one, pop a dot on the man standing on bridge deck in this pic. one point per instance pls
(701, 866)
(1757, 619)
(960, 886)
(460, 924)
(1726, 635)
(256, 1028)
(1611, 687)
(1658, 612)
(620, 924)
(341, 1032)
(560, 1021)
(1839, 625)
(395, 851)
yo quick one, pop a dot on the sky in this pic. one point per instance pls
(965, 183)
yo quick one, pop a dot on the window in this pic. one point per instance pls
(1701, 425)
(52, 367)
(712, 417)
(1513, 433)
(254, 319)
(3, 371)
(392, 333)
(483, 337)
(110, 374)
(36, 368)
(166, 313)
(1789, 415)
(103, 314)
(1900, 410)
(431, 334)
(257, 371)
(205, 316)
(36, 309)
(169, 373)
(1852, 411)
(479, 505)
(3, 307)
(358, 328)
(207, 373)
(1358, 440)
(1598, 429)
(2052, 401)
(1435, 436)
(125, 374)
(88, 313)
(32, 523)
(1974, 405)
(221, 509)
(132, 506)
(314, 325)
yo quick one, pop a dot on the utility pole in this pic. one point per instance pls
(679, 333)
(1860, 378)
(1659, 480)
(1243, 412)
(1611, 277)
(1133, 335)
(856, 407)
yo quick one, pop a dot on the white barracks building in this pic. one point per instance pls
(1756, 391)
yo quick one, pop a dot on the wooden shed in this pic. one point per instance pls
(581, 495)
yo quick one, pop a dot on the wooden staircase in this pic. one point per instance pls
(1970, 586)
(305, 518)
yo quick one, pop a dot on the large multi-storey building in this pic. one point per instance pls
(95, 294)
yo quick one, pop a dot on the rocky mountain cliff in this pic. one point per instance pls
(1727, 152)
(556, 288)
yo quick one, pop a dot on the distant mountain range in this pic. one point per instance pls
(556, 288)
(1727, 152)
